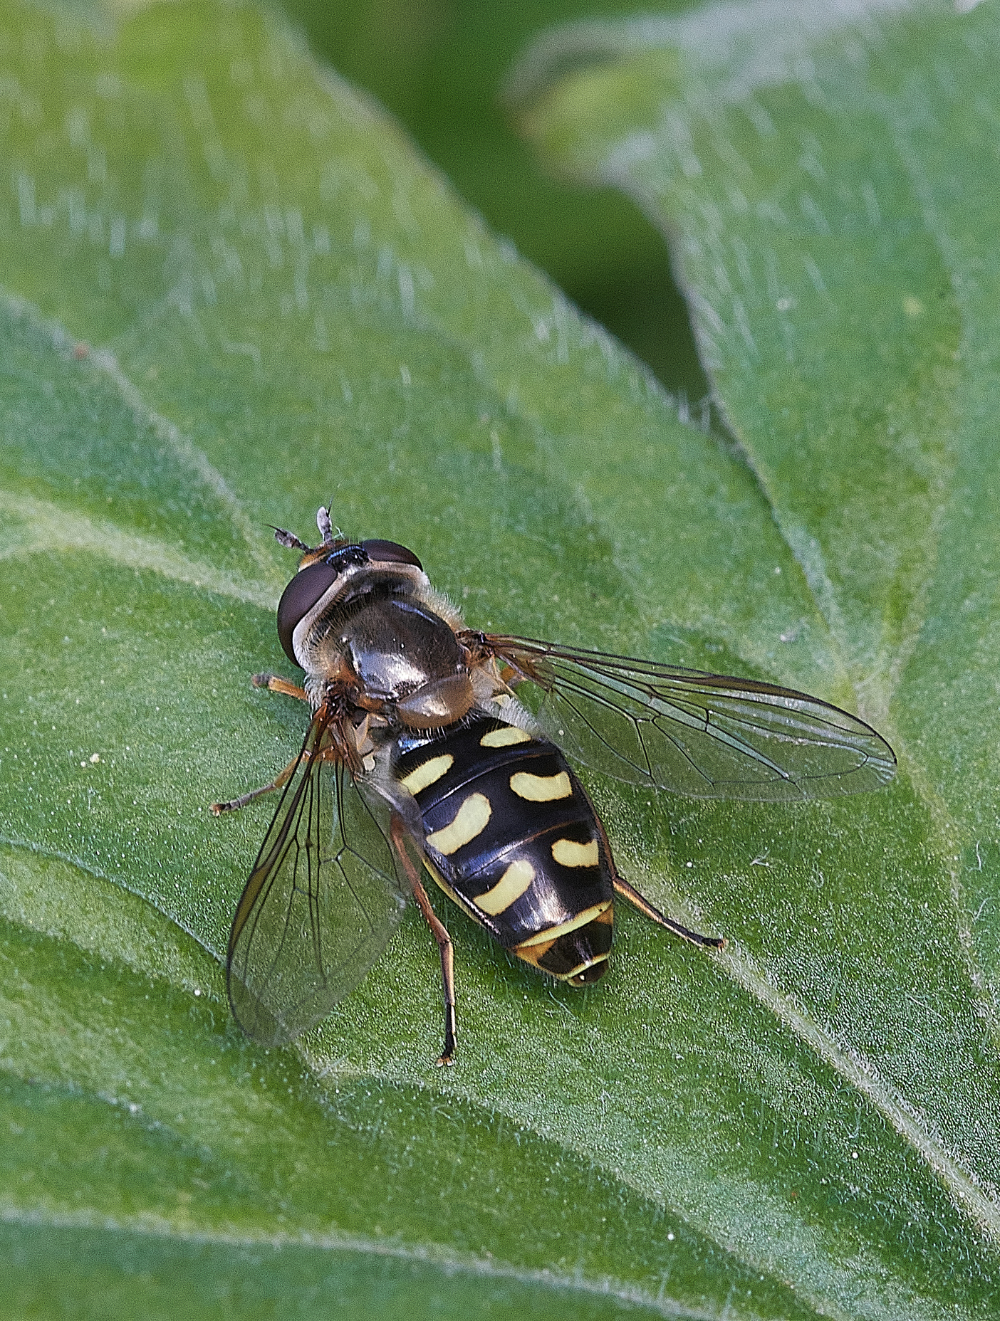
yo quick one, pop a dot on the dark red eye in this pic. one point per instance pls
(300, 596)
(390, 552)
(310, 583)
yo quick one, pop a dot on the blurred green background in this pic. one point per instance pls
(439, 66)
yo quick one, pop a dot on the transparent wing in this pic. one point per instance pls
(704, 735)
(321, 901)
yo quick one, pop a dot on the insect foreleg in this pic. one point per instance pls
(218, 808)
(275, 684)
(654, 914)
(399, 835)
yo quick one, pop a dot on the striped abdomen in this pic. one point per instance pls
(510, 835)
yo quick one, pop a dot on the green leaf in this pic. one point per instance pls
(831, 183)
(232, 292)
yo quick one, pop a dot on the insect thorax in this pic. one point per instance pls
(397, 651)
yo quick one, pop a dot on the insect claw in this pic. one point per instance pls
(447, 1056)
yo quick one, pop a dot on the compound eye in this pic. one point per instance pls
(298, 599)
(389, 552)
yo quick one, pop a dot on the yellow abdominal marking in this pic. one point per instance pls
(511, 885)
(571, 854)
(504, 738)
(581, 920)
(470, 819)
(541, 788)
(428, 772)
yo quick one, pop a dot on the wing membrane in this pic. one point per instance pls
(321, 901)
(704, 735)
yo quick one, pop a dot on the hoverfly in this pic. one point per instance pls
(419, 752)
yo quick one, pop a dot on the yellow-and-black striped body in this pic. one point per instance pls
(511, 836)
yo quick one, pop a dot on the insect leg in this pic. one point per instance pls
(398, 833)
(218, 808)
(645, 907)
(276, 684)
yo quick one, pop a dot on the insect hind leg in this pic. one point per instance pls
(398, 834)
(640, 901)
(654, 914)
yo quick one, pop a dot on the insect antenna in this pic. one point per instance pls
(288, 539)
(324, 525)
